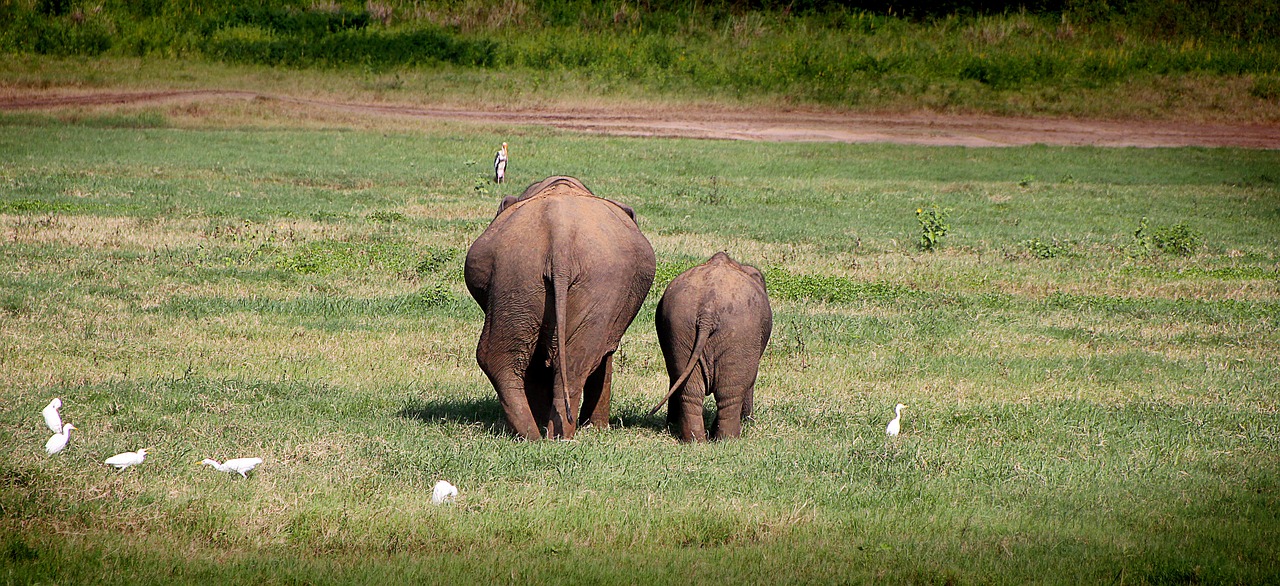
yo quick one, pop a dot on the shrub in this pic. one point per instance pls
(434, 260)
(1179, 239)
(933, 227)
(1266, 87)
(254, 44)
(434, 296)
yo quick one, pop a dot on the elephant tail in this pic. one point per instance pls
(704, 330)
(560, 289)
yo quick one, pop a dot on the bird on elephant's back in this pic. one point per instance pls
(560, 274)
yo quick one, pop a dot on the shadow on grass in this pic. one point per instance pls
(637, 415)
(487, 413)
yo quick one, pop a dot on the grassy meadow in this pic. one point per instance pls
(1086, 404)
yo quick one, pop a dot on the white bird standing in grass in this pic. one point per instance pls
(59, 440)
(241, 465)
(500, 165)
(443, 492)
(51, 417)
(896, 425)
(127, 459)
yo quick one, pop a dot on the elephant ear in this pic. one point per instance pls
(626, 208)
(754, 273)
(507, 202)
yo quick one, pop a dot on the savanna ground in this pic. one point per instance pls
(1089, 402)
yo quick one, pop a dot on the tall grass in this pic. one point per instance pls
(830, 56)
(1104, 413)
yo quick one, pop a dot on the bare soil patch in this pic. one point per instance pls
(919, 128)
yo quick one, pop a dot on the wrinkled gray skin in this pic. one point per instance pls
(713, 322)
(560, 274)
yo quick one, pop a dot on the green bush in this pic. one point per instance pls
(434, 296)
(290, 20)
(1266, 87)
(1179, 239)
(55, 35)
(253, 44)
(434, 260)
(933, 227)
(1007, 71)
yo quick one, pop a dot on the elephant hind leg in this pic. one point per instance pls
(515, 406)
(596, 394)
(685, 409)
(506, 373)
(731, 409)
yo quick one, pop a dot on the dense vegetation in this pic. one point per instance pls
(1088, 349)
(942, 54)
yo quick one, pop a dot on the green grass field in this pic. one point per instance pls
(1086, 406)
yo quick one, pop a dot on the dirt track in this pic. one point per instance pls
(762, 125)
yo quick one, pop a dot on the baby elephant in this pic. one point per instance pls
(713, 324)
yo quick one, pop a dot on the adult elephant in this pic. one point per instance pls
(560, 274)
(713, 323)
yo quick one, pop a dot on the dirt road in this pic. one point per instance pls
(761, 125)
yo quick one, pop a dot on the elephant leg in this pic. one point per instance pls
(729, 409)
(558, 423)
(689, 416)
(506, 372)
(734, 402)
(515, 405)
(597, 394)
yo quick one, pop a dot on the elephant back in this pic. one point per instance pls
(557, 186)
(559, 218)
(721, 292)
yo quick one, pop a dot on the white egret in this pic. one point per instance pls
(443, 492)
(51, 416)
(896, 425)
(500, 165)
(241, 465)
(127, 459)
(59, 440)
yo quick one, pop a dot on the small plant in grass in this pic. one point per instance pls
(385, 216)
(433, 261)
(1047, 249)
(433, 296)
(1179, 239)
(933, 227)
(713, 197)
(1142, 238)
